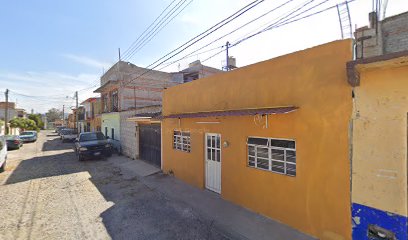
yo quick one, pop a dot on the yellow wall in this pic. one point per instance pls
(317, 200)
(380, 139)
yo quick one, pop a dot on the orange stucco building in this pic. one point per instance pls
(272, 137)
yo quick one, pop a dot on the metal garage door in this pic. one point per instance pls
(150, 143)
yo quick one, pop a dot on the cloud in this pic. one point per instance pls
(87, 61)
(43, 90)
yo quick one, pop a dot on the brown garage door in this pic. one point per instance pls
(150, 143)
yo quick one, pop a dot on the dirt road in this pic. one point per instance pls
(45, 193)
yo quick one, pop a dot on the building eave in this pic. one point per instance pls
(387, 60)
(106, 85)
(235, 112)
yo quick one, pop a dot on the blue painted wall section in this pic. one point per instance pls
(364, 216)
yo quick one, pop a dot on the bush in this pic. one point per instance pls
(24, 124)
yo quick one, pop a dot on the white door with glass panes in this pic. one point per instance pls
(213, 162)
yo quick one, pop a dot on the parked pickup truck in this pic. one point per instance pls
(68, 134)
(92, 144)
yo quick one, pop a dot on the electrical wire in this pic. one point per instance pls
(201, 36)
(157, 28)
(136, 41)
(229, 33)
(270, 27)
(156, 32)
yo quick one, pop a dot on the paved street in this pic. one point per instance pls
(47, 194)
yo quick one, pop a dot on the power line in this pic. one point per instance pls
(36, 97)
(157, 28)
(288, 21)
(156, 32)
(229, 33)
(201, 36)
(136, 41)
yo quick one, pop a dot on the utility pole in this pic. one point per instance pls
(63, 115)
(227, 62)
(119, 54)
(6, 111)
(77, 112)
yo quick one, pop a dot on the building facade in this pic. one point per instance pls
(92, 114)
(379, 138)
(272, 137)
(11, 110)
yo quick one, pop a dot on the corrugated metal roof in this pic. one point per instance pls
(148, 115)
(240, 112)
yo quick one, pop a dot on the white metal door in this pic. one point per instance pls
(213, 162)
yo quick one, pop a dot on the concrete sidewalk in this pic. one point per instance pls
(233, 221)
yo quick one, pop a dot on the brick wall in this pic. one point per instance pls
(395, 33)
(129, 135)
(129, 145)
(391, 37)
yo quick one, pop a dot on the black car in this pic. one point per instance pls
(92, 144)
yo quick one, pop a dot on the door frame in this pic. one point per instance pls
(205, 161)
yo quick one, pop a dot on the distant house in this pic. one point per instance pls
(71, 120)
(11, 110)
(124, 88)
(80, 111)
(128, 90)
(21, 113)
(147, 119)
(92, 114)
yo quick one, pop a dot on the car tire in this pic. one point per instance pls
(3, 168)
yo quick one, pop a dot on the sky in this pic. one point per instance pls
(50, 49)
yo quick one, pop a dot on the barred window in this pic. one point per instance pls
(275, 155)
(181, 141)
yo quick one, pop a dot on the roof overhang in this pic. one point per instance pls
(387, 60)
(107, 85)
(237, 112)
(154, 117)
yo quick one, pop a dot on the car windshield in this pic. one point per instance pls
(26, 133)
(11, 137)
(91, 137)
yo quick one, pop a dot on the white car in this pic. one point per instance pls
(68, 135)
(3, 153)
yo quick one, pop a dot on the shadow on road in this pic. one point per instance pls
(138, 212)
(56, 144)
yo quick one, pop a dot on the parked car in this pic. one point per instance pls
(57, 129)
(68, 135)
(13, 142)
(28, 136)
(92, 144)
(3, 153)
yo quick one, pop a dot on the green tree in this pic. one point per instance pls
(53, 114)
(23, 124)
(37, 119)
